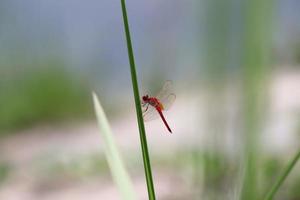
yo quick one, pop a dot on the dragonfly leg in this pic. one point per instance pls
(147, 108)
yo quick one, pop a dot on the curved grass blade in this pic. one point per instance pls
(112, 154)
(143, 139)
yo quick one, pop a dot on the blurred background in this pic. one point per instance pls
(235, 65)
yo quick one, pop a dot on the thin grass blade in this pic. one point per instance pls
(143, 139)
(283, 176)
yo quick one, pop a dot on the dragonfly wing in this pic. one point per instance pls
(168, 101)
(166, 95)
(150, 114)
(165, 90)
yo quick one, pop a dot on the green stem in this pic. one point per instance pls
(147, 165)
(281, 179)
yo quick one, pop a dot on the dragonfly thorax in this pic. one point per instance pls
(152, 101)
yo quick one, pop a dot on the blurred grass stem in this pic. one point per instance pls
(116, 165)
(255, 60)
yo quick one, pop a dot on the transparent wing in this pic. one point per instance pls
(168, 101)
(150, 113)
(165, 90)
(166, 95)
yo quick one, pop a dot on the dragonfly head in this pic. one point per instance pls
(145, 98)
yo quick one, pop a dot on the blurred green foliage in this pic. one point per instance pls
(294, 191)
(271, 167)
(81, 166)
(4, 171)
(46, 93)
(220, 172)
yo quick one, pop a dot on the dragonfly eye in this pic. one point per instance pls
(145, 98)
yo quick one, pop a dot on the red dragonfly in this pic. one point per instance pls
(153, 106)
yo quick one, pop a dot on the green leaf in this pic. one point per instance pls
(116, 165)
